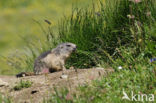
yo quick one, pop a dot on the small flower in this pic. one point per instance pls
(131, 16)
(148, 13)
(138, 23)
(135, 1)
(69, 97)
(152, 59)
(120, 67)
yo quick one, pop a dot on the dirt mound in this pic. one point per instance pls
(42, 85)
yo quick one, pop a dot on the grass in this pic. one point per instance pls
(23, 84)
(110, 89)
(116, 33)
(4, 99)
(104, 34)
(120, 33)
(18, 21)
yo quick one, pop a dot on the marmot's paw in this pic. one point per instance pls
(64, 76)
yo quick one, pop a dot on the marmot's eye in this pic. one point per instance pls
(68, 45)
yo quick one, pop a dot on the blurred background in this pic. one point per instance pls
(18, 20)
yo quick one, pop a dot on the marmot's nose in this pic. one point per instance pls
(74, 48)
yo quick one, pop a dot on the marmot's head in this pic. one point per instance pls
(65, 49)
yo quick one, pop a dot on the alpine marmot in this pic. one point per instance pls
(52, 60)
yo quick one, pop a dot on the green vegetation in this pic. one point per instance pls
(120, 33)
(4, 99)
(110, 89)
(111, 33)
(18, 20)
(116, 33)
(23, 84)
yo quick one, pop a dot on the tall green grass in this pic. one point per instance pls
(100, 35)
(117, 33)
(18, 19)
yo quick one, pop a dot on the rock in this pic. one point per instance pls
(64, 76)
(2, 83)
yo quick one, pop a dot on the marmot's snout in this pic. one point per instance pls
(70, 46)
(74, 49)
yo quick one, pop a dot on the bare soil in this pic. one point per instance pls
(43, 84)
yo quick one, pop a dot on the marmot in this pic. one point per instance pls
(52, 60)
